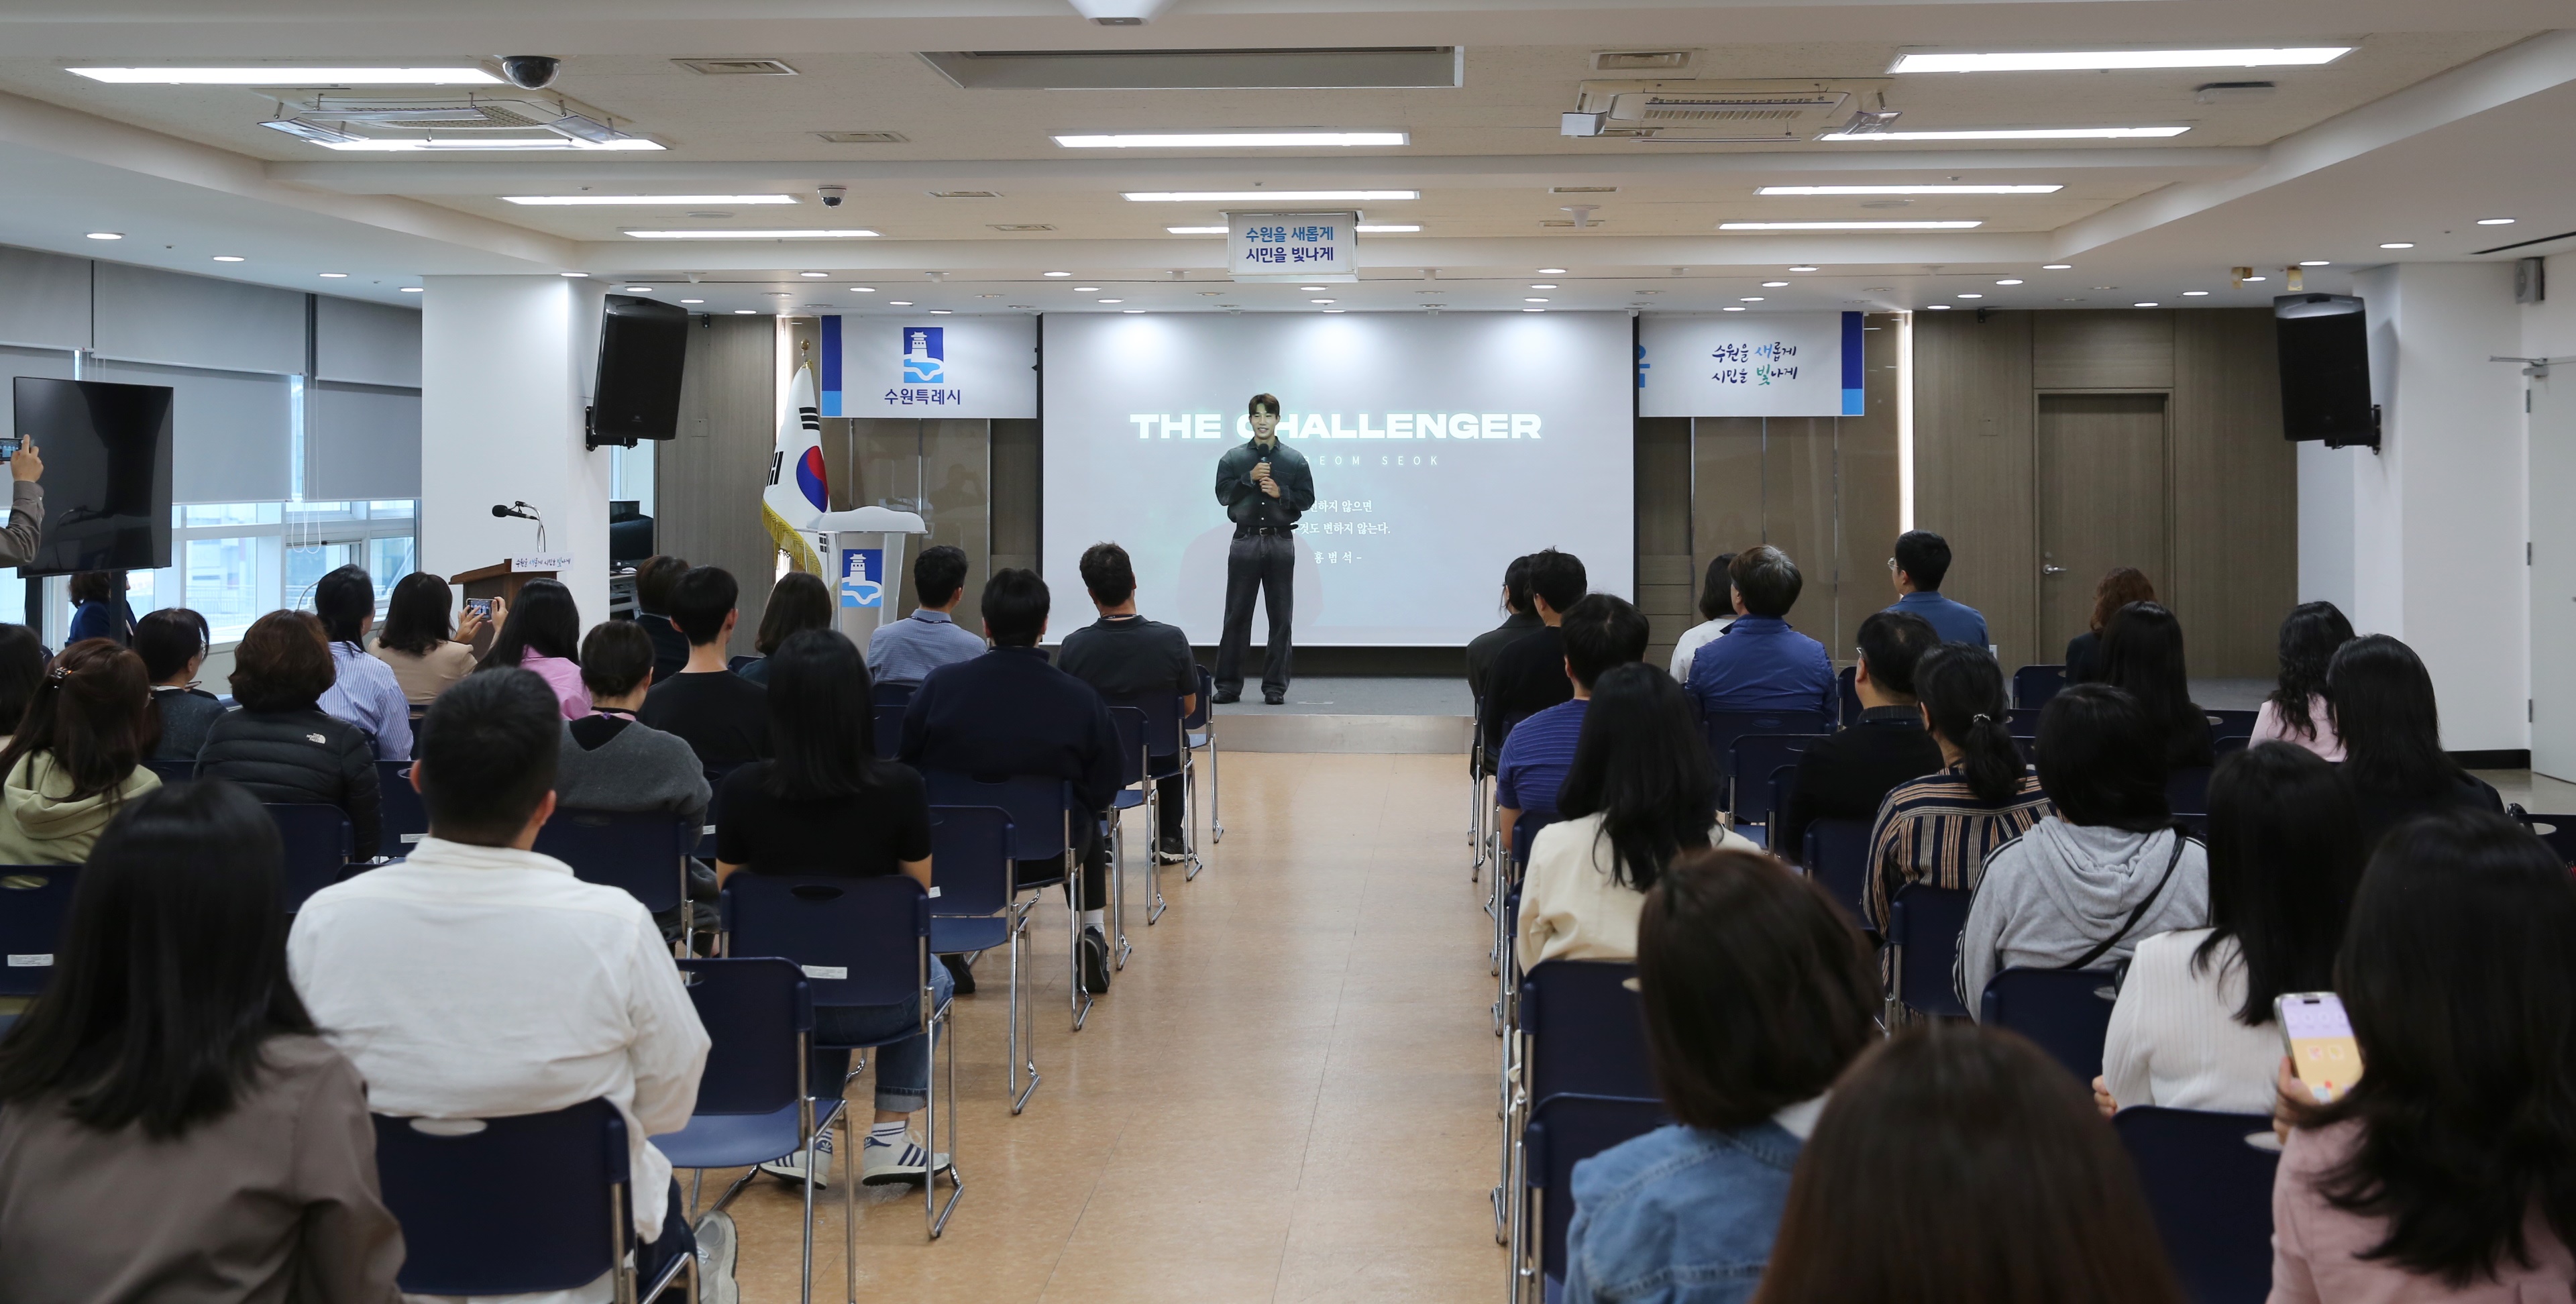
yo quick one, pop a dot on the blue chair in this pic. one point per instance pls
(1580, 1033)
(1167, 741)
(1564, 1131)
(893, 692)
(2032, 686)
(644, 853)
(1923, 924)
(2022, 721)
(973, 911)
(861, 942)
(2066, 1011)
(172, 771)
(1780, 791)
(532, 1203)
(736, 664)
(406, 821)
(34, 901)
(1042, 812)
(1847, 692)
(754, 1103)
(2187, 790)
(1755, 757)
(2559, 831)
(889, 728)
(1722, 728)
(318, 844)
(2221, 748)
(2208, 1178)
(1837, 856)
(2231, 724)
(1134, 793)
(1198, 730)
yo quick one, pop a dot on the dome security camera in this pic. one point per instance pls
(532, 72)
(832, 195)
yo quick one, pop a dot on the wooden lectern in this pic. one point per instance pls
(497, 581)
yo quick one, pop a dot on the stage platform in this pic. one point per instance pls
(1353, 713)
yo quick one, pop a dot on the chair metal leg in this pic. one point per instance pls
(805, 1116)
(849, 1202)
(1119, 950)
(1080, 1000)
(1021, 1009)
(1154, 903)
(1216, 799)
(934, 1214)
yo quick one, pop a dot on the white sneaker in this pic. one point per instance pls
(884, 1162)
(716, 1247)
(791, 1166)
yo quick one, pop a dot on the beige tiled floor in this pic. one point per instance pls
(1287, 1095)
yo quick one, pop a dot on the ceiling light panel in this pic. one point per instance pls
(290, 75)
(2016, 133)
(2116, 60)
(1913, 190)
(1268, 196)
(1417, 67)
(1849, 226)
(519, 145)
(575, 201)
(1231, 139)
(749, 234)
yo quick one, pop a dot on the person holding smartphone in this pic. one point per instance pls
(2447, 1169)
(25, 531)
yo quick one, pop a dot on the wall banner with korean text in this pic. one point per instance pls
(1749, 364)
(920, 365)
(1293, 246)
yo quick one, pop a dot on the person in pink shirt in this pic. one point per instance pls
(543, 634)
(2297, 712)
(2448, 1171)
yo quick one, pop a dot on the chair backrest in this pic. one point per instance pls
(2210, 1187)
(2032, 686)
(755, 1013)
(1837, 856)
(2066, 1011)
(1130, 724)
(1847, 691)
(2028, 748)
(1037, 807)
(34, 901)
(1563, 1131)
(2231, 724)
(970, 859)
(1724, 727)
(737, 663)
(1164, 735)
(175, 771)
(889, 728)
(1779, 793)
(893, 692)
(2187, 790)
(859, 940)
(642, 852)
(1924, 923)
(318, 842)
(2559, 831)
(520, 1205)
(1524, 832)
(406, 821)
(1587, 1033)
(2022, 721)
(1198, 716)
(1756, 756)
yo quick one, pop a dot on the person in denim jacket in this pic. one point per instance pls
(1756, 994)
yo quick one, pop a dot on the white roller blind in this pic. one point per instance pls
(230, 430)
(361, 443)
(44, 299)
(366, 343)
(149, 315)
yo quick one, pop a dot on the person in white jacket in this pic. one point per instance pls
(2085, 885)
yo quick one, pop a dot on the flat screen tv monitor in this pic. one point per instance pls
(106, 449)
(2325, 369)
(641, 346)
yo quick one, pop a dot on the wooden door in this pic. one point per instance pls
(2102, 503)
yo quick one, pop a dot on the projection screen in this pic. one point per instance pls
(1442, 446)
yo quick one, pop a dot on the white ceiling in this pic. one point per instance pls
(2441, 116)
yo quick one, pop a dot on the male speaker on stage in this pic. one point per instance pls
(1264, 486)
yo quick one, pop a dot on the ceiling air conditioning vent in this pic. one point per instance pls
(1713, 112)
(965, 194)
(863, 137)
(469, 120)
(1020, 226)
(1583, 190)
(1642, 60)
(737, 67)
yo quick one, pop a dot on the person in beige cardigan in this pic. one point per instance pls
(77, 757)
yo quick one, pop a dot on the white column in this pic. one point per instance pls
(506, 362)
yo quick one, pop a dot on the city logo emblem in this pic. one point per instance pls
(862, 577)
(925, 351)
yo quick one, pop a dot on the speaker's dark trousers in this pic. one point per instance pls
(1265, 560)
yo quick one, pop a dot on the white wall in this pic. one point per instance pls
(505, 361)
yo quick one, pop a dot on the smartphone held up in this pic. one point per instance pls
(2319, 1037)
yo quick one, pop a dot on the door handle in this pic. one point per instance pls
(2052, 570)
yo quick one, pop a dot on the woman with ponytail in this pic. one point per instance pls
(76, 758)
(1938, 829)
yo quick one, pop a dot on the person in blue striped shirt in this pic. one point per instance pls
(1600, 631)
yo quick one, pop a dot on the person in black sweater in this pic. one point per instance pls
(1528, 676)
(1126, 659)
(2383, 707)
(723, 716)
(2142, 655)
(280, 744)
(1847, 776)
(654, 581)
(1518, 619)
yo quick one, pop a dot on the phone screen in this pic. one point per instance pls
(2322, 1050)
(480, 606)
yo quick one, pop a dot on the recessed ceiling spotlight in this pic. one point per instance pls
(813, 276)
(335, 276)
(1802, 269)
(228, 258)
(693, 301)
(2150, 303)
(1849, 226)
(1230, 139)
(1550, 285)
(2495, 221)
(1551, 271)
(2316, 262)
(2399, 244)
(413, 289)
(578, 276)
(107, 235)
(290, 75)
(655, 201)
(1936, 307)
(898, 303)
(2111, 60)
(2057, 267)
(2048, 189)
(1971, 296)
(1773, 285)
(863, 289)
(2008, 281)
(1267, 196)
(1056, 273)
(2195, 294)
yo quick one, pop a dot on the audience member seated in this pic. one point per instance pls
(1756, 995)
(1528, 674)
(826, 807)
(77, 757)
(798, 602)
(173, 643)
(173, 1126)
(2444, 1172)
(2105, 870)
(99, 608)
(279, 744)
(22, 672)
(722, 716)
(1961, 1163)
(2142, 656)
(610, 761)
(1848, 775)
(428, 652)
(1126, 658)
(431, 973)
(1761, 664)
(2380, 701)
(363, 690)
(1640, 792)
(1518, 618)
(653, 582)
(2120, 586)
(910, 648)
(543, 636)
(1940, 828)
(1922, 560)
(1595, 634)
(1008, 713)
(1716, 612)
(2193, 1028)
(2296, 711)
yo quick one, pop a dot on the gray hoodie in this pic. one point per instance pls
(2053, 893)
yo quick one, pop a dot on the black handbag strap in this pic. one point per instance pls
(2086, 960)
